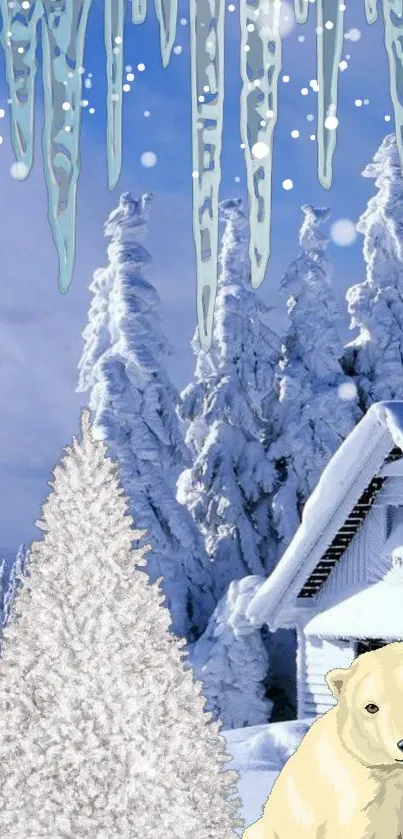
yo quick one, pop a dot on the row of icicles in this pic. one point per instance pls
(63, 30)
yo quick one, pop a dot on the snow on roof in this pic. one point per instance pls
(347, 475)
(373, 612)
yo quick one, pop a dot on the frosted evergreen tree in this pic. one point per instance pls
(317, 403)
(123, 366)
(375, 356)
(18, 570)
(3, 586)
(231, 660)
(228, 487)
(96, 334)
(103, 731)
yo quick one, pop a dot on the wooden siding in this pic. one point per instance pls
(391, 492)
(315, 658)
(356, 564)
(378, 563)
(301, 672)
(392, 467)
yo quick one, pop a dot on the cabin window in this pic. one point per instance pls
(394, 516)
(365, 645)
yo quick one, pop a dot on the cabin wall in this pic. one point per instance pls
(379, 562)
(353, 569)
(391, 492)
(315, 657)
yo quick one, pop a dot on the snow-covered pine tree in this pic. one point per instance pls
(18, 570)
(231, 660)
(123, 366)
(227, 489)
(3, 587)
(317, 405)
(375, 356)
(102, 729)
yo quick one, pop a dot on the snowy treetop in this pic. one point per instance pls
(312, 267)
(374, 356)
(129, 213)
(310, 237)
(382, 221)
(313, 418)
(227, 406)
(134, 403)
(385, 163)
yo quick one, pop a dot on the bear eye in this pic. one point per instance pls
(372, 708)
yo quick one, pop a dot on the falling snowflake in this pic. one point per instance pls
(343, 232)
(353, 35)
(148, 159)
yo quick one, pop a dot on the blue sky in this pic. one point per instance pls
(40, 330)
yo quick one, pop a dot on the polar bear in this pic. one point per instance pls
(345, 781)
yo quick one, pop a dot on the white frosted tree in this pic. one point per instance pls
(103, 731)
(317, 403)
(18, 570)
(375, 356)
(3, 585)
(231, 660)
(123, 366)
(228, 487)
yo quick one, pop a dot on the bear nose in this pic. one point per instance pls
(400, 745)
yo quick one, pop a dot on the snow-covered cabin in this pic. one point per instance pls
(340, 581)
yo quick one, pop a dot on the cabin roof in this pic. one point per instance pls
(373, 612)
(332, 515)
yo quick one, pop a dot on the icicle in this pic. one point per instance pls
(63, 37)
(260, 69)
(167, 13)
(393, 43)
(207, 68)
(371, 10)
(139, 11)
(114, 20)
(20, 33)
(301, 10)
(329, 50)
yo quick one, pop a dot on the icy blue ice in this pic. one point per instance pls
(301, 10)
(329, 28)
(260, 70)
(114, 20)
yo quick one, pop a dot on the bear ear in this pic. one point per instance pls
(335, 680)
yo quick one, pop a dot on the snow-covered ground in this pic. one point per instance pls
(259, 753)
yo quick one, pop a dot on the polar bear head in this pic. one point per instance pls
(369, 707)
